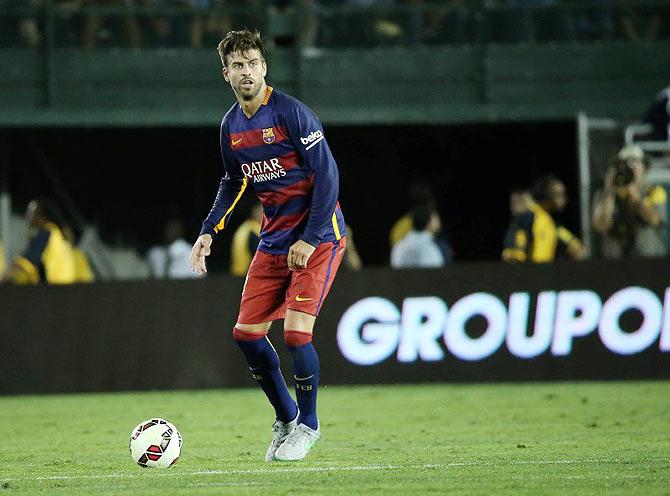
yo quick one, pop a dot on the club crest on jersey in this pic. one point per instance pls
(269, 135)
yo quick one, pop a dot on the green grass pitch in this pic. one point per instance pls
(518, 439)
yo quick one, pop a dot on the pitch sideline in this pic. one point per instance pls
(352, 468)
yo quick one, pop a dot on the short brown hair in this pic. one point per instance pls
(240, 41)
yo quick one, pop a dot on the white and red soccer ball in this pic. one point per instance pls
(155, 443)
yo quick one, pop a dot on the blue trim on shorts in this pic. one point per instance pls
(336, 245)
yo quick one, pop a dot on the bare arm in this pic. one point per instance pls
(603, 213)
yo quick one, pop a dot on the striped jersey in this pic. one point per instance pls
(282, 154)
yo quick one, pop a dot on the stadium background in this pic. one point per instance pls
(124, 135)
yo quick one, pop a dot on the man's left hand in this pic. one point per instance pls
(298, 255)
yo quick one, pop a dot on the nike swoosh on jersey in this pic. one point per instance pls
(300, 298)
(235, 142)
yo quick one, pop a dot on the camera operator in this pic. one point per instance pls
(630, 212)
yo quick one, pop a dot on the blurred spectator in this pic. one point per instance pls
(82, 267)
(182, 26)
(214, 18)
(104, 28)
(31, 30)
(595, 21)
(2, 257)
(171, 260)
(639, 22)
(245, 241)
(520, 201)
(447, 22)
(420, 194)
(630, 212)
(658, 115)
(352, 260)
(361, 23)
(49, 256)
(418, 248)
(533, 235)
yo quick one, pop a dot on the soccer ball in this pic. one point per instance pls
(155, 443)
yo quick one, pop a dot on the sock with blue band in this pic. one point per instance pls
(306, 374)
(263, 362)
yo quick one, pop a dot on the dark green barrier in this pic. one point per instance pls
(597, 320)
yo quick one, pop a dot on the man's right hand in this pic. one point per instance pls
(201, 249)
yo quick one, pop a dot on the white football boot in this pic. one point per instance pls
(298, 443)
(282, 431)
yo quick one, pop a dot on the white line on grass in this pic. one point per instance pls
(351, 468)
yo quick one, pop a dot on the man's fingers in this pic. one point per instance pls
(290, 260)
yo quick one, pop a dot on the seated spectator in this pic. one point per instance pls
(533, 235)
(49, 256)
(172, 259)
(245, 241)
(418, 248)
(99, 28)
(630, 212)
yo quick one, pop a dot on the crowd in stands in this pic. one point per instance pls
(336, 23)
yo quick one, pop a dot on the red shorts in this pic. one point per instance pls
(271, 288)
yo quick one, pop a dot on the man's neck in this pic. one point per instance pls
(250, 107)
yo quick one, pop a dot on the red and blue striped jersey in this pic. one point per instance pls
(282, 154)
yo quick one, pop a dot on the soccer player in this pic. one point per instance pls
(274, 144)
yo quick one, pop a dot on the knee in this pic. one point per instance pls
(297, 338)
(250, 332)
(248, 335)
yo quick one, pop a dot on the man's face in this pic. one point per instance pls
(557, 196)
(245, 71)
(518, 202)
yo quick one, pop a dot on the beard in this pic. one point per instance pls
(248, 95)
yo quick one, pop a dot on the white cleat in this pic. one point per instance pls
(296, 446)
(282, 431)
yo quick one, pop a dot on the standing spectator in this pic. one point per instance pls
(171, 260)
(630, 212)
(421, 195)
(49, 257)
(533, 235)
(658, 115)
(418, 248)
(245, 241)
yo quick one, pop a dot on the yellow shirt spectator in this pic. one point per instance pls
(48, 258)
(535, 237)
